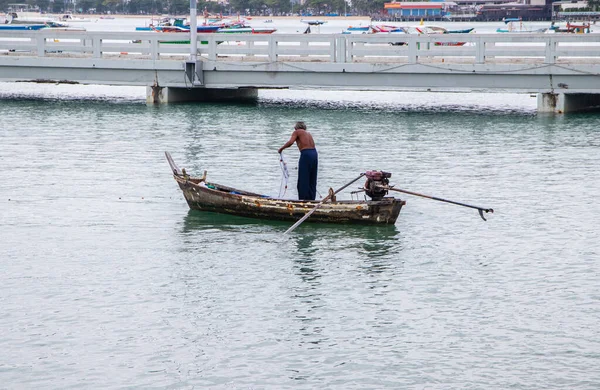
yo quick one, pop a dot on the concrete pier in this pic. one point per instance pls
(561, 68)
(164, 95)
(562, 103)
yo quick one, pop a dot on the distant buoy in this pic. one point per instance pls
(124, 53)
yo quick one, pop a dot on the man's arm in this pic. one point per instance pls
(291, 141)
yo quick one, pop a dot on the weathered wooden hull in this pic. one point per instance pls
(222, 199)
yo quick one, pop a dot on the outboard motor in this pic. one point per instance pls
(377, 183)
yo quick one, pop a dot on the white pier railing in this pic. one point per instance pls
(332, 48)
(563, 69)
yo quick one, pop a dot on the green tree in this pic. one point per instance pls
(240, 5)
(111, 5)
(85, 5)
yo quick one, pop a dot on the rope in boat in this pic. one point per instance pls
(285, 175)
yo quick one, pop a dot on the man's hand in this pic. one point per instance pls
(280, 150)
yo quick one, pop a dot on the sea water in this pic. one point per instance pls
(109, 281)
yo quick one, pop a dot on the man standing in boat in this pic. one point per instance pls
(309, 161)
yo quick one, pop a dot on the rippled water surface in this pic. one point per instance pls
(109, 281)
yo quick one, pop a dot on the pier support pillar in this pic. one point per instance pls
(562, 103)
(163, 95)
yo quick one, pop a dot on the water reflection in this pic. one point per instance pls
(205, 220)
(309, 295)
(374, 241)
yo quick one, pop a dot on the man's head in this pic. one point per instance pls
(300, 126)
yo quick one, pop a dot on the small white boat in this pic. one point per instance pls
(358, 30)
(246, 30)
(313, 22)
(26, 18)
(429, 29)
(572, 28)
(515, 25)
(68, 17)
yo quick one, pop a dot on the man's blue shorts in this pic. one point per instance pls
(307, 174)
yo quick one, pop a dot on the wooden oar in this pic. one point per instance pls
(294, 226)
(480, 209)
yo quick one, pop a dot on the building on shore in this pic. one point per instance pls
(416, 10)
(527, 10)
(464, 10)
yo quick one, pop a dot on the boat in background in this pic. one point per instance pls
(391, 30)
(176, 25)
(39, 26)
(21, 27)
(429, 29)
(313, 22)
(69, 17)
(243, 29)
(358, 30)
(582, 28)
(170, 24)
(516, 25)
(379, 30)
(433, 29)
(30, 18)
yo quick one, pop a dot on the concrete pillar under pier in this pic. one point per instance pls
(562, 103)
(163, 95)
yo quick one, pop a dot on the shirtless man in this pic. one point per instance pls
(308, 164)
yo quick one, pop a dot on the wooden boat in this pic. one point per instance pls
(516, 25)
(55, 26)
(583, 28)
(246, 30)
(437, 30)
(178, 25)
(357, 30)
(69, 17)
(26, 17)
(313, 22)
(209, 196)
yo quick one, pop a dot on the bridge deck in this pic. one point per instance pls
(491, 62)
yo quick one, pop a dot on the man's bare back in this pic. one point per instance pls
(302, 138)
(308, 164)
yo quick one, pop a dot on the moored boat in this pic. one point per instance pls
(39, 26)
(516, 25)
(178, 25)
(209, 196)
(28, 18)
(69, 17)
(571, 28)
(313, 22)
(438, 30)
(246, 30)
(358, 30)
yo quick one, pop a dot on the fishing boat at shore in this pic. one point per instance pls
(178, 25)
(244, 29)
(55, 26)
(570, 28)
(315, 22)
(358, 30)
(28, 18)
(429, 29)
(69, 17)
(203, 195)
(516, 25)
